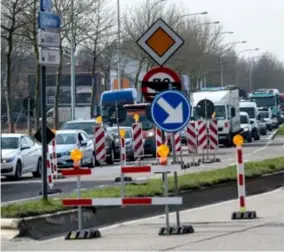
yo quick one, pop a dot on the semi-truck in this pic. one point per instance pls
(268, 98)
(226, 108)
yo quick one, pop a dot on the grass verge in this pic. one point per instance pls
(281, 130)
(187, 182)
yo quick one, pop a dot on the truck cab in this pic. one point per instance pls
(251, 109)
(226, 102)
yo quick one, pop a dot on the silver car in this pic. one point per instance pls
(20, 154)
(68, 140)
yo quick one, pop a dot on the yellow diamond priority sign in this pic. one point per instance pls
(160, 42)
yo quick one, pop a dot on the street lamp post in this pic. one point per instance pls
(221, 59)
(118, 45)
(73, 87)
(236, 70)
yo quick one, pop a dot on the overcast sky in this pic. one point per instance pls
(259, 22)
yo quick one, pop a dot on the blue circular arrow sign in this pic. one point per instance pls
(171, 111)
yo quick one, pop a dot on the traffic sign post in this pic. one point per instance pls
(47, 56)
(171, 112)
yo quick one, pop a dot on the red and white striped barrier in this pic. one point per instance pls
(138, 140)
(123, 170)
(241, 178)
(191, 137)
(123, 201)
(213, 134)
(202, 135)
(49, 170)
(122, 151)
(100, 143)
(54, 159)
(159, 140)
(177, 139)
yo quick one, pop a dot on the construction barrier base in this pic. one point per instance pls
(244, 215)
(185, 229)
(83, 234)
(126, 179)
(52, 191)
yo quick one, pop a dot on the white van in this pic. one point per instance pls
(251, 109)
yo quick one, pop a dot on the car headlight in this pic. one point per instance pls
(8, 160)
(246, 129)
(117, 141)
(128, 143)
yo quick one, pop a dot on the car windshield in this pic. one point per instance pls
(146, 123)
(244, 119)
(264, 114)
(264, 101)
(219, 110)
(9, 143)
(88, 127)
(65, 138)
(128, 132)
(250, 111)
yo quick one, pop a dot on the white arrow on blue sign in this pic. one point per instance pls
(48, 20)
(171, 111)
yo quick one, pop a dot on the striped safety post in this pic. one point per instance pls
(122, 151)
(100, 143)
(159, 140)
(242, 213)
(54, 159)
(213, 134)
(138, 140)
(202, 135)
(241, 179)
(49, 170)
(177, 139)
(191, 138)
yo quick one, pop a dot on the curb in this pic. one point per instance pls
(50, 225)
(274, 134)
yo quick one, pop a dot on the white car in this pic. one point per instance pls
(246, 126)
(68, 140)
(20, 154)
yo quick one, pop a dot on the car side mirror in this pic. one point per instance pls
(83, 143)
(251, 122)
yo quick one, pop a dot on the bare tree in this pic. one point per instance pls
(102, 26)
(11, 23)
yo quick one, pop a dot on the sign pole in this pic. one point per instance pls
(165, 179)
(175, 173)
(43, 132)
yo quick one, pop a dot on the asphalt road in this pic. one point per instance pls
(214, 230)
(29, 187)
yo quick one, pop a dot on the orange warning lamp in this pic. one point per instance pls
(122, 133)
(54, 131)
(238, 140)
(99, 120)
(163, 151)
(136, 118)
(76, 155)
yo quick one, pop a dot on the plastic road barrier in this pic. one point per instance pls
(138, 140)
(100, 143)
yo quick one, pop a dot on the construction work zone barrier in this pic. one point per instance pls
(191, 137)
(138, 140)
(207, 140)
(99, 143)
(242, 213)
(124, 201)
